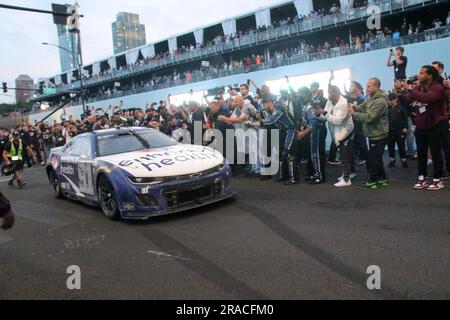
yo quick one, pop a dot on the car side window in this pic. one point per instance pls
(80, 147)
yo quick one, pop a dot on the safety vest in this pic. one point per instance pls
(13, 153)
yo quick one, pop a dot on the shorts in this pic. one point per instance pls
(18, 164)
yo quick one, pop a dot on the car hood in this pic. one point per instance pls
(166, 162)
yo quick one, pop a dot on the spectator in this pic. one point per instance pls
(373, 114)
(400, 63)
(398, 128)
(6, 213)
(342, 130)
(426, 100)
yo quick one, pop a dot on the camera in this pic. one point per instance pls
(411, 80)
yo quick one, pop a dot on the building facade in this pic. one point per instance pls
(24, 82)
(127, 32)
(67, 41)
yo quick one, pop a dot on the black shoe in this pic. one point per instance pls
(290, 182)
(405, 164)
(10, 183)
(21, 184)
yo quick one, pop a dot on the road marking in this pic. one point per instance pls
(5, 239)
(43, 214)
(168, 256)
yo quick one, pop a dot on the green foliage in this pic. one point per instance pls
(6, 107)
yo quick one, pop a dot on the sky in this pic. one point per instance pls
(21, 48)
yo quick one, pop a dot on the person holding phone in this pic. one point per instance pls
(399, 63)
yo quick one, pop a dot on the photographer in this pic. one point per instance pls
(14, 155)
(426, 101)
(399, 63)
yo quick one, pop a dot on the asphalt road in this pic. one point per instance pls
(270, 242)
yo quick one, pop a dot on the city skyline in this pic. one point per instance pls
(127, 32)
(23, 52)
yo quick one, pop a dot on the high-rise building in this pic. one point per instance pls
(127, 32)
(67, 40)
(24, 82)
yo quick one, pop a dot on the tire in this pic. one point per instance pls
(107, 198)
(54, 183)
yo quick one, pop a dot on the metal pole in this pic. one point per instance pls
(80, 69)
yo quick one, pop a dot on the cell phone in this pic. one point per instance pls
(392, 50)
(248, 82)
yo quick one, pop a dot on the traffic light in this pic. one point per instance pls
(73, 21)
(5, 87)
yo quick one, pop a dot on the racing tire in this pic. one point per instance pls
(107, 199)
(54, 183)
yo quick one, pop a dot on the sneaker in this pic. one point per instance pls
(369, 185)
(334, 162)
(352, 176)
(342, 183)
(360, 162)
(315, 180)
(10, 183)
(290, 182)
(43, 163)
(429, 162)
(21, 184)
(436, 185)
(383, 183)
(421, 184)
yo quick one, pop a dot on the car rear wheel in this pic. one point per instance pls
(107, 198)
(56, 188)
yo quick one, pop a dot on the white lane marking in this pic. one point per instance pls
(168, 256)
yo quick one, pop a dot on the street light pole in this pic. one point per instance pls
(79, 66)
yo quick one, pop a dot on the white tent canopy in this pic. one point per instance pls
(132, 56)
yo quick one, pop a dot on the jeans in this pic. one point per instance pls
(317, 157)
(375, 163)
(431, 139)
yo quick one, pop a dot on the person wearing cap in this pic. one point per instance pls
(13, 154)
(279, 118)
(398, 128)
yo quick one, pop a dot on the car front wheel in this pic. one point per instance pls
(107, 198)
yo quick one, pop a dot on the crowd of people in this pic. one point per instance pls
(301, 52)
(361, 125)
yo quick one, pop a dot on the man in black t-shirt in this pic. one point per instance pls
(399, 63)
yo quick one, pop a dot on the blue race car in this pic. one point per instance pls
(137, 173)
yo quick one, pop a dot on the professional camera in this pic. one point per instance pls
(411, 80)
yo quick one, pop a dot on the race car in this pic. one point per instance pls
(137, 173)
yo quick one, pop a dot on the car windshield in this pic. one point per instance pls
(132, 141)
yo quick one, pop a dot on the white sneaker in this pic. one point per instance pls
(436, 185)
(352, 176)
(421, 183)
(342, 183)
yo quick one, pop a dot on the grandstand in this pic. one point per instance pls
(264, 45)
